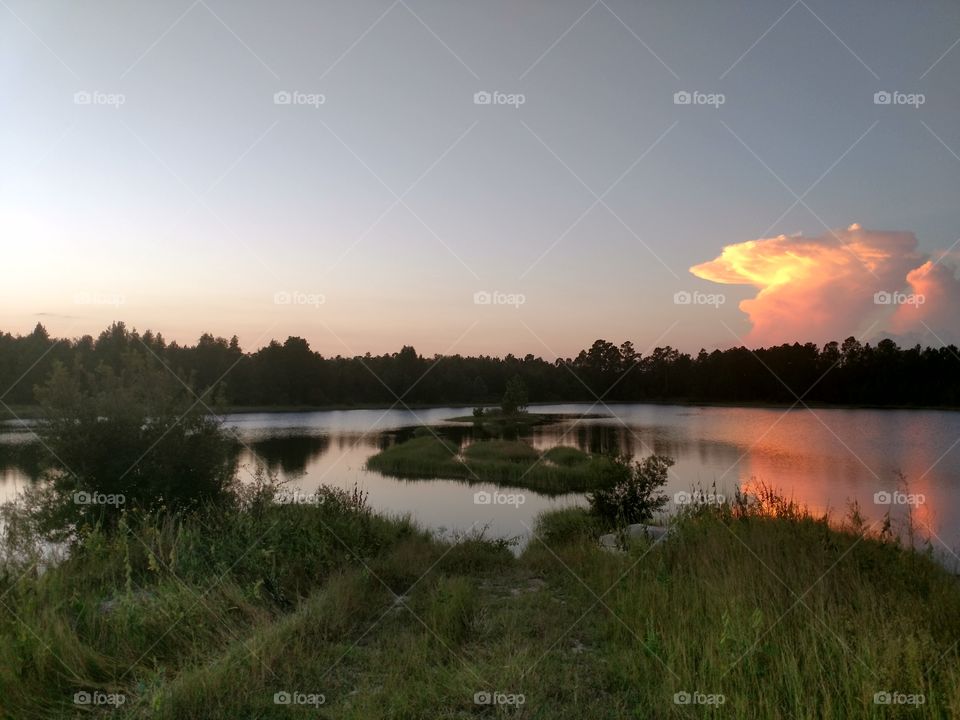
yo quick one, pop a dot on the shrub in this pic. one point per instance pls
(633, 495)
(133, 439)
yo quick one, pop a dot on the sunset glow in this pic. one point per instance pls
(842, 283)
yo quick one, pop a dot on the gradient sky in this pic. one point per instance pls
(198, 200)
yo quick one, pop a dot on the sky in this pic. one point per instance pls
(487, 177)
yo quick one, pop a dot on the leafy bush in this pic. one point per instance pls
(633, 494)
(133, 439)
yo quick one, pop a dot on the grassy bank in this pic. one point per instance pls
(212, 617)
(508, 462)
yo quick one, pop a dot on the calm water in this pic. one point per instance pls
(823, 458)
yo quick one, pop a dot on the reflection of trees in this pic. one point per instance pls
(637, 441)
(27, 458)
(457, 434)
(291, 454)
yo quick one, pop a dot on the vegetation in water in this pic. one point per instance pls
(506, 462)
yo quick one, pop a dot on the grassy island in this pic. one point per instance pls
(514, 462)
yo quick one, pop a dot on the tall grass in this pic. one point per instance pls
(779, 613)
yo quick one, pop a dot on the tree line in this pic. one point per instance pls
(291, 373)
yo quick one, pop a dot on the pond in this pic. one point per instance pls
(824, 458)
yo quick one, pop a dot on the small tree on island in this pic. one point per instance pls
(515, 398)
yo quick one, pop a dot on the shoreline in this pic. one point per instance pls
(32, 412)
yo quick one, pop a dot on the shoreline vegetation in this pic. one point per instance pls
(179, 591)
(215, 613)
(146, 579)
(33, 412)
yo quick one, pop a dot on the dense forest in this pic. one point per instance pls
(291, 373)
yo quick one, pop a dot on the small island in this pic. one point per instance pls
(498, 458)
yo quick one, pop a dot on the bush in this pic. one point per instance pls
(135, 439)
(633, 495)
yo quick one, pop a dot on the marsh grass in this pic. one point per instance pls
(782, 613)
(507, 462)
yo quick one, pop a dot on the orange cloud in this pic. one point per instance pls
(842, 283)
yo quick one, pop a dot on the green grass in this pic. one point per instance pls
(506, 462)
(784, 616)
(566, 456)
(421, 456)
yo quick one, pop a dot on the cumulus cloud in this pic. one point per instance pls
(847, 282)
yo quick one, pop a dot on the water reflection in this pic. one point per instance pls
(824, 459)
(289, 455)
